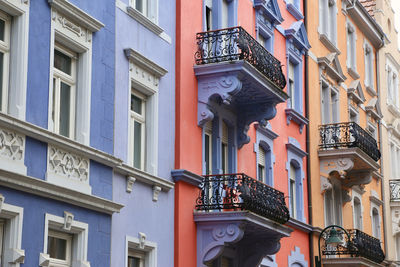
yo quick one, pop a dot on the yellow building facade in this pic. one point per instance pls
(344, 133)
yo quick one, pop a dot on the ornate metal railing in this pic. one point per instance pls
(394, 186)
(348, 134)
(355, 243)
(238, 191)
(237, 44)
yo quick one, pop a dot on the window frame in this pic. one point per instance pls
(141, 245)
(357, 196)
(150, 9)
(5, 48)
(333, 118)
(328, 20)
(369, 80)
(336, 206)
(140, 118)
(351, 39)
(68, 237)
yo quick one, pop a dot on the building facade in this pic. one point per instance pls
(345, 119)
(143, 232)
(238, 137)
(57, 86)
(389, 64)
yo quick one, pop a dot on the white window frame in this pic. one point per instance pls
(333, 118)
(144, 76)
(351, 38)
(18, 57)
(293, 191)
(376, 229)
(369, 66)
(5, 48)
(12, 215)
(140, 244)
(392, 79)
(68, 24)
(79, 231)
(357, 195)
(140, 118)
(328, 20)
(150, 9)
(68, 237)
(70, 80)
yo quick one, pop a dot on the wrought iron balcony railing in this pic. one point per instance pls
(236, 44)
(225, 192)
(394, 186)
(355, 243)
(346, 135)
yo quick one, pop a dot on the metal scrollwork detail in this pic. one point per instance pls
(241, 192)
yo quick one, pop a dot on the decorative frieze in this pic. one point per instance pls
(67, 169)
(12, 151)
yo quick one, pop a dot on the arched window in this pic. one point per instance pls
(357, 213)
(333, 204)
(295, 194)
(376, 228)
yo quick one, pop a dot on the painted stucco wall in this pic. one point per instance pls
(35, 208)
(141, 214)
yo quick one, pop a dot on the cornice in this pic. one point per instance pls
(143, 62)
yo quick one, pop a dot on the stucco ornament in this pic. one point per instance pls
(68, 220)
(325, 184)
(11, 145)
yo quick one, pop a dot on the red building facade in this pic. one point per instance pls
(241, 134)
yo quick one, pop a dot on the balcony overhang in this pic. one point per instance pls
(350, 262)
(242, 89)
(353, 165)
(251, 236)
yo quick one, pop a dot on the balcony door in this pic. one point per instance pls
(219, 14)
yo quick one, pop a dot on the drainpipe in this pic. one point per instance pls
(310, 235)
(381, 146)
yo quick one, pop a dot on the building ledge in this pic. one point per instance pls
(187, 176)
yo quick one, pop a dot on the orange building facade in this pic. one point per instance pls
(241, 132)
(344, 129)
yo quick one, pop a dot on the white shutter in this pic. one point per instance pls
(225, 131)
(261, 156)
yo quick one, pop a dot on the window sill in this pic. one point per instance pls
(353, 73)
(328, 43)
(139, 17)
(293, 115)
(294, 11)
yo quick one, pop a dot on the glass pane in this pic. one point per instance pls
(292, 197)
(136, 104)
(260, 173)
(139, 5)
(62, 62)
(207, 153)
(65, 108)
(57, 248)
(2, 29)
(1, 78)
(137, 145)
(134, 262)
(224, 159)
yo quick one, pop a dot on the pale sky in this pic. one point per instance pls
(396, 7)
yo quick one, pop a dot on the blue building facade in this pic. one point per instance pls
(143, 232)
(57, 61)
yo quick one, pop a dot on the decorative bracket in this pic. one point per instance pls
(130, 180)
(325, 184)
(14, 255)
(68, 220)
(142, 240)
(156, 192)
(44, 260)
(358, 178)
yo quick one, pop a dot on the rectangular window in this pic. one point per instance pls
(5, 25)
(136, 258)
(225, 14)
(224, 148)
(59, 247)
(330, 105)
(292, 189)
(208, 151)
(138, 129)
(64, 80)
(261, 164)
(351, 47)
(208, 16)
(369, 72)
(147, 7)
(291, 85)
(357, 214)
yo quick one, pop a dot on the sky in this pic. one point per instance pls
(396, 7)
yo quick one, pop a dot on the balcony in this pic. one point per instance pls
(238, 211)
(234, 70)
(350, 151)
(356, 249)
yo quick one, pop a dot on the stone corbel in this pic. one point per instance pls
(357, 178)
(68, 220)
(14, 255)
(325, 184)
(340, 165)
(2, 199)
(224, 87)
(345, 196)
(221, 235)
(130, 180)
(253, 257)
(142, 240)
(44, 260)
(156, 192)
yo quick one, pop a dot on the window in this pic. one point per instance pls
(372, 131)
(225, 14)
(208, 15)
(333, 204)
(291, 86)
(149, 8)
(376, 228)
(395, 158)
(351, 48)
(137, 129)
(369, 66)
(292, 190)
(261, 164)
(222, 15)
(59, 247)
(140, 252)
(208, 151)
(357, 213)
(330, 104)
(64, 80)
(136, 258)
(5, 25)
(327, 19)
(224, 148)
(69, 89)
(392, 84)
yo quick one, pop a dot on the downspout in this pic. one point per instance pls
(309, 200)
(381, 146)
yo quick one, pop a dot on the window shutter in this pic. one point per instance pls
(261, 156)
(208, 127)
(225, 131)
